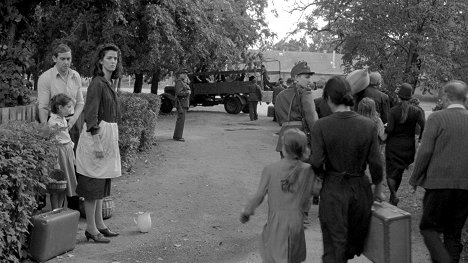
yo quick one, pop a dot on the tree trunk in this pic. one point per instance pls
(138, 83)
(411, 76)
(155, 82)
(11, 34)
(35, 79)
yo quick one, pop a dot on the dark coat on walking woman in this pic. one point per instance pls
(400, 149)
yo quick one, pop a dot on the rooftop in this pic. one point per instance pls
(320, 63)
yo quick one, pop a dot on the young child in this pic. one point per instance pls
(61, 106)
(367, 108)
(288, 184)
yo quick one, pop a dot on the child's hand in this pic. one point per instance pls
(244, 218)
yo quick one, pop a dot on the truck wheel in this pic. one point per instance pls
(246, 108)
(232, 105)
(166, 105)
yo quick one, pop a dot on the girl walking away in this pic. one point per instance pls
(401, 144)
(366, 107)
(61, 106)
(343, 144)
(288, 184)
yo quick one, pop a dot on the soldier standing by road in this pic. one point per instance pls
(254, 98)
(182, 93)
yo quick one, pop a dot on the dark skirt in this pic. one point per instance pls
(400, 151)
(92, 188)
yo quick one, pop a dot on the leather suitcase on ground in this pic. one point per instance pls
(53, 233)
(389, 239)
(271, 111)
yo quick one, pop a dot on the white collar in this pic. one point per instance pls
(456, 106)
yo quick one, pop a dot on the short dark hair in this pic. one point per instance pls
(61, 48)
(96, 67)
(60, 99)
(338, 90)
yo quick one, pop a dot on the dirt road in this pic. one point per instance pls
(195, 191)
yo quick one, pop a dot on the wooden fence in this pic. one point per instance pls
(26, 113)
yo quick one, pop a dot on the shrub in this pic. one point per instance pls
(149, 119)
(137, 124)
(27, 155)
(131, 125)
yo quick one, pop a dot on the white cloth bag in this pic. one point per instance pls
(86, 162)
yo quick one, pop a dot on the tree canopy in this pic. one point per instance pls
(156, 37)
(421, 42)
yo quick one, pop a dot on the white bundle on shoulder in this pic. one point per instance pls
(358, 79)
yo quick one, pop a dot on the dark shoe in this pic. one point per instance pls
(107, 233)
(99, 238)
(394, 200)
(179, 139)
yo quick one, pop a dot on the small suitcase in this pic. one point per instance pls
(53, 233)
(271, 111)
(389, 238)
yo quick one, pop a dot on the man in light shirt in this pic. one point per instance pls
(62, 79)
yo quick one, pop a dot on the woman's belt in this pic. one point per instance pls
(292, 123)
(346, 174)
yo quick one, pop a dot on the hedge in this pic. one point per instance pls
(137, 124)
(28, 155)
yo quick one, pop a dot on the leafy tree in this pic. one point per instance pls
(16, 50)
(156, 37)
(193, 35)
(403, 39)
(312, 43)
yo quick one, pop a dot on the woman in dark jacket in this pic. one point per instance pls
(343, 144)
(400, 149)
(97, 154)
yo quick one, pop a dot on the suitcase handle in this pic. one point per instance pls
(53, 212)
(376, 203)
(391, 207)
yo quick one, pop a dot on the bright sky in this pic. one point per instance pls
(285, 22)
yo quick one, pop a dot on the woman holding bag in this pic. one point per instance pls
(97, 154)
(343, 143)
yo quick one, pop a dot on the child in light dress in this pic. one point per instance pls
(366, 107)
(61, 106)
(288, 185)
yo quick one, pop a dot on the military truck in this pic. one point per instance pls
(230, 88)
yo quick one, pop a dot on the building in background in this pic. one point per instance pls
(324, 64)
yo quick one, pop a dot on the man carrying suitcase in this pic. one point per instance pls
(440, 168)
